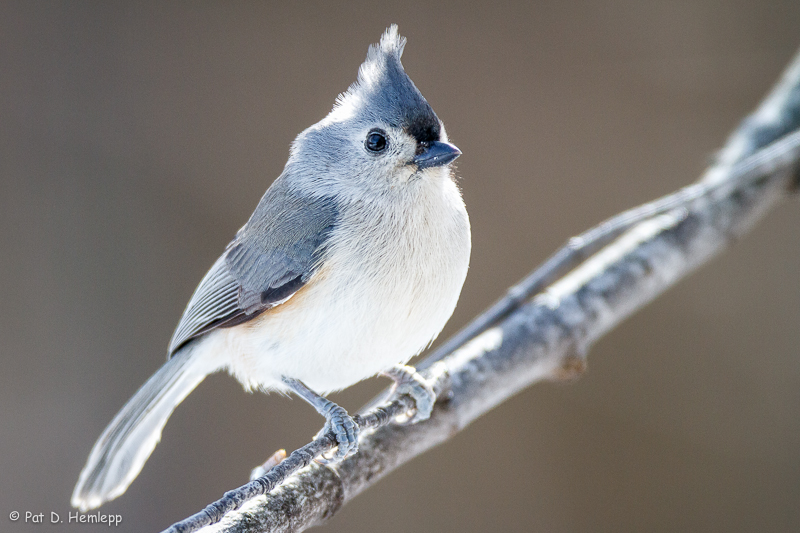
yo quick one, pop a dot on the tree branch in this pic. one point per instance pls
(545, 325)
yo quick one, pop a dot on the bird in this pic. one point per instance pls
(350, 265)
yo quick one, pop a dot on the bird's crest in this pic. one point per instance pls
(373, 70)
(385, 91)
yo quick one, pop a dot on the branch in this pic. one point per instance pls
(543, 328)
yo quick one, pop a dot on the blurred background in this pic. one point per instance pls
(136, 138)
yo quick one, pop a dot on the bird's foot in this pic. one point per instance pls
(342, 427)
(338, 424)
(408, 381)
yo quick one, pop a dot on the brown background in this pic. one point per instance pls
(135, 139)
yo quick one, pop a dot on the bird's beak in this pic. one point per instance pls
(436, 154)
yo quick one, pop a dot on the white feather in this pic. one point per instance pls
(394, 274)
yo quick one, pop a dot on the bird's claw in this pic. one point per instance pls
(343, 429)
(408, 381)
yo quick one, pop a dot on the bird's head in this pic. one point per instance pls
(381, 133)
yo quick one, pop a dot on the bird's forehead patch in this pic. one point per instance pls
(424, 128)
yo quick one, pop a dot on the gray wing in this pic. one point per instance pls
(271, 258)
(214, 300)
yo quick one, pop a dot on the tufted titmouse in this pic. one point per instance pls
(351, 264)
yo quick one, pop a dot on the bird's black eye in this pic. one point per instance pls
(376, 141)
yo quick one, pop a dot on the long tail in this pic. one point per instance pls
(121, 451)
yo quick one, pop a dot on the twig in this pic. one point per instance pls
(615, 269)
(302, 457)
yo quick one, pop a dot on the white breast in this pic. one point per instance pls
(391, 281)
